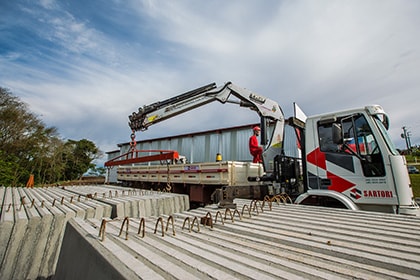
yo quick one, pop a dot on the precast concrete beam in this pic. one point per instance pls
(17, 237)
(6, 220)
(52, 248)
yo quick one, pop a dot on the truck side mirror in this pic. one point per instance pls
(337, 135)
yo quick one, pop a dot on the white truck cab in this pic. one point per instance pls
(350, 158)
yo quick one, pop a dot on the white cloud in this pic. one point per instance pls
(324, 55)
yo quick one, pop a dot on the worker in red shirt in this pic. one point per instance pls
(254, 148)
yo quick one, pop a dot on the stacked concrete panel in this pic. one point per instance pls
(255, 241)
(32, 221)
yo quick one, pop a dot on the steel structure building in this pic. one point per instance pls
(231, 143)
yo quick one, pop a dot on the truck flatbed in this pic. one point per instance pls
(224, 173)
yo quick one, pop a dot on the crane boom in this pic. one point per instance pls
(267, 109)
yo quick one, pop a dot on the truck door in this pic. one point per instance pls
(353, 166)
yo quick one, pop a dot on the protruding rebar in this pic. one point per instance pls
(255, 202)
(102, 230)
(22, 202)
(249, 210)
(142, 225)
(198, 224)
(126, 219)
(207, 218)
(161, 222)
(189, 223)
(269, 203)
(221, 218)
(230, 213)
(239, 215)
(170, 218)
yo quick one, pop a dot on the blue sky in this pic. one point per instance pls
(84, 66)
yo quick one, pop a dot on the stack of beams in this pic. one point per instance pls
(255, 241)
(32, 221)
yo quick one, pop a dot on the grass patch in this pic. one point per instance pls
(415, 184)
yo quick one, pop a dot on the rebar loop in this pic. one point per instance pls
(270, 204)
(110, 194)
(102, 230)
(254, 202)
(287, 198)
(42, 204)
(71, 199)
(33, 202)
(207, 218)
(170, 218)
(198, 224)
(189, 224)
(53, 203)
(249, 210)
(78, 198)
(239, 215)
(277, 199)
(161, 222)
(8, 208)
(22, 202)
(62, 200)
(230, 213)
(142, 223)
(126, 219)
(221, 218)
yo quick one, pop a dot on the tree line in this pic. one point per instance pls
(28, 146)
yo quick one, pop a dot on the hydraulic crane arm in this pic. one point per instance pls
(162, 110)
(267, 109)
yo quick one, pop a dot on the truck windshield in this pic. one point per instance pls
(385, 135)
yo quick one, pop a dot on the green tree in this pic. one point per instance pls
(23, 139)
(28, 146)
(78, 157)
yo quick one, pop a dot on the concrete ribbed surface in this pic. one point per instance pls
(32, 221)
(288, 241)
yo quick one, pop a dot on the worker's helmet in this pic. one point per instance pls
(256, 128)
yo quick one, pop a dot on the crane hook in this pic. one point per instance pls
(133, 142)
